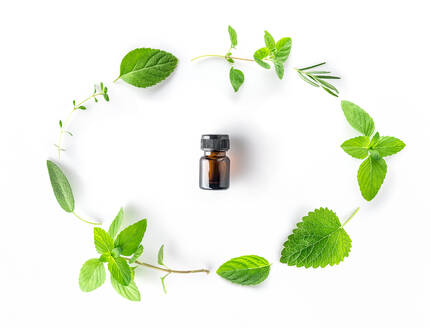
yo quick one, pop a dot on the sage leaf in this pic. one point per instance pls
(102, 241)
(61, 187)
(130, 292)
(357, 147)
(387, 146)
(358, 118)
(120, 270)
(160, 256)
(233, 36)
(92, 275)
(236, 78)
(145, 67)
(116, 223)
(371, 176)
(245, 270)
(318, 240)
(130, 238)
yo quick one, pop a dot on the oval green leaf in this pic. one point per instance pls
(116, 223)
(145, 67)
(245, 270)
(358, 118)
(92, 275)
(357, 147)
(371, 176)
(130, 238)
(130, 292)
(120, 270)
(61, 187)
(102, 241)
(259, 55)
(236, 78)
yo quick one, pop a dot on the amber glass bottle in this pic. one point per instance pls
(214, 164)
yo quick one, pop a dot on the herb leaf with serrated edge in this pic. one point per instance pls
(130, 292)
(245, 270)
(357, 147)
(129, 239)
(120, 270)
(92, 275)
(102, 241)
(116, 223)
(319, 240)
(371, 176)
(145, 67)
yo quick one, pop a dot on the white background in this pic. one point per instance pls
(141, 151)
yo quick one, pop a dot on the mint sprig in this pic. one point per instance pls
(373, 149)
(114, 252)
(275, 52)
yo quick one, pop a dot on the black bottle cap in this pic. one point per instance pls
(215, 142)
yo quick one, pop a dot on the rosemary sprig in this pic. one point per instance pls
(317, 78)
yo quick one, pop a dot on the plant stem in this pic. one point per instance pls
(80, 218)
(65, 124)
(352, 215)
(221, 56)
(168, 270)
(116, 79)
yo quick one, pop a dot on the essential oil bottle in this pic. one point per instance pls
(214, 164)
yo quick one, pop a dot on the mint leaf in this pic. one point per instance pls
(387, 146)
(371, 175)
(120, 270)
(358, 118)
(92, 275)
(136, 254)
(61, 187)
(233, 36)
(131, 237)
(261, 54)
(160, 255)
(245, 270)
(269, 41)
(357, 147)
(130, 292)
(145, 67)
(317, 241)
(283, 48)
(116, 223)
(236, 78)
(279, 68)
(102, 241)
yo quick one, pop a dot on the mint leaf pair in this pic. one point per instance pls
(373, 169)
(127, 242)
(277, 53)
(319, 240)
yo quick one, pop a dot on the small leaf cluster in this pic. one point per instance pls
(370, 147)
(103, 91)
(318, 78)
(277, 53)
(113, 245)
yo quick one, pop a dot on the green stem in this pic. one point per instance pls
(116, 79)
(167, 269)
(221, 56)
(352, 215)
(80, 218)
(66, 123)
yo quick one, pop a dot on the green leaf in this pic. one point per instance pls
(233, 36)
(387, 146)
(163, 278)
(136, 254)
(120, 270)
(358, 118)
(102, 241)
(116, 223)
(105, 257)
(61, 187)
(283, 48)
(306, 79)
(357, 147)
(245, 270)
(131, 237)
(60, 123)
(145, 67)
(106, 97)
(259, 55)
(130, 292)
(317, 241)
(92, 275)
(374, 140)
(82, 107)
(116, 252)
(160, 256)
(313, 66)
(269, 41)
(279, 68)
(371, 175)
(236, 78)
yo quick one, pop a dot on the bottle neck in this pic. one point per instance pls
(213, 153)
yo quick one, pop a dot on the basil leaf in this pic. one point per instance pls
(130, 292)
(92, 275)
(120, 270)
(145, 67)
(61, 187)
(102, 241)
(245, 270)
(236, 78)
(358, 118)
(130, 238)
(116, 223)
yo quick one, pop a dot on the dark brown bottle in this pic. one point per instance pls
(214, 164)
